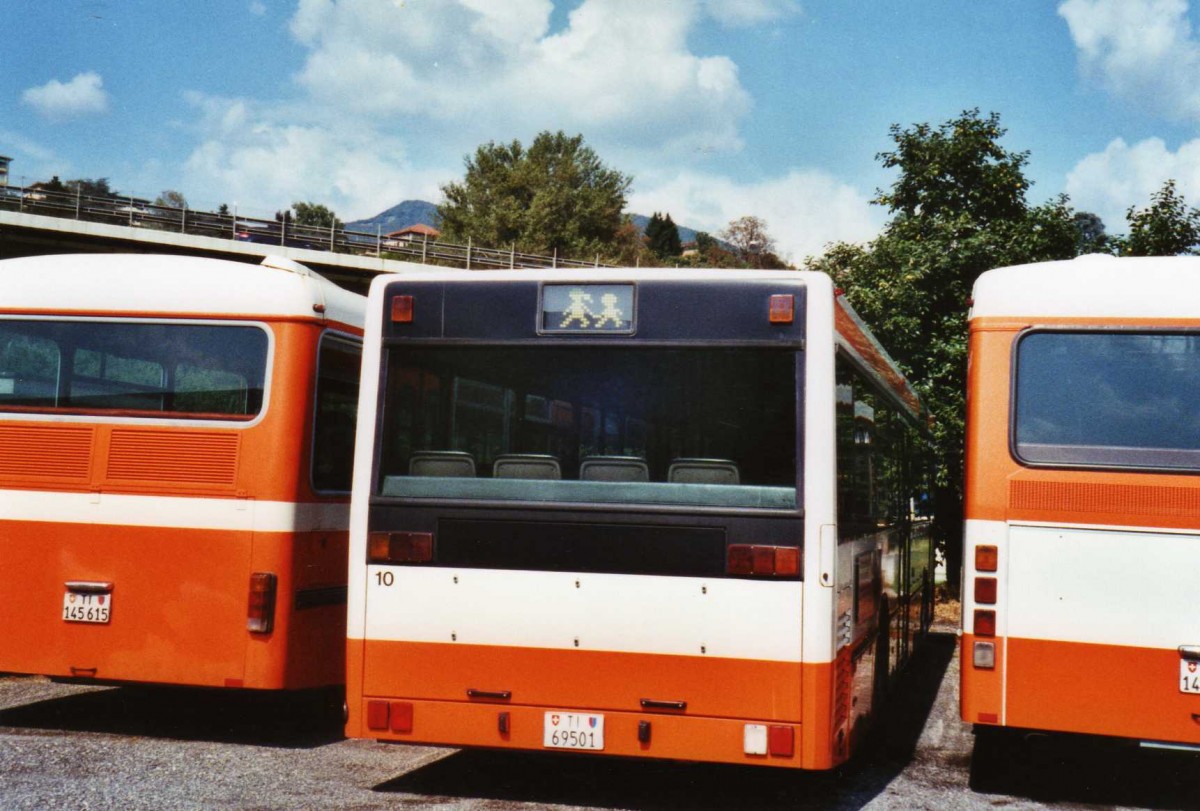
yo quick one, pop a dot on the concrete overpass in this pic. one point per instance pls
(24, 234)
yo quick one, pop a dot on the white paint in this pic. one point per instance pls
(146, 284)
(173, 512)
(691, 616)
(1111, 587)
(1093, 286)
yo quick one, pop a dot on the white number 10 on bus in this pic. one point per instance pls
(632, 513)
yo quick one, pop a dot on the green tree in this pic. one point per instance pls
(555, 195)
(958, 208)
(87, 187)
(314, 215)
(662, 235)
(170, 198)
(1167, 227)
(1092, 237)
(751, 243)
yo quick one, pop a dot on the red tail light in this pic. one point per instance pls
(985, 590)
(260, 617)
(400, 547)
(782, 309)
(985, 622)
(762, 561)
(986, 558)
(402, 309)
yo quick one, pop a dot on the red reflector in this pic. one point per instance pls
(739, 560)
(783, 309)
(781, 741)
(402, 716)
(787, 561)
(260, 616)
(985, 622)
(377, 715)
(402, 309)
(985, 590)
(400, 547)
(988, 718)
(762, 561)
(986, 558)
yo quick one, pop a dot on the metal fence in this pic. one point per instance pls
(136, 212)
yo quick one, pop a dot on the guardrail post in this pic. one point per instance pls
(512, 256)
(468, 253)
(554, 261)
(183, 220)
(379, 240)
(78, 193)
(131, 209)
(424, 247)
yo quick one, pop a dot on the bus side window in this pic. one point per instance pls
(338, 363)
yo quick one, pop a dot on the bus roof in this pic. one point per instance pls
(1096, 285)
(155, 284)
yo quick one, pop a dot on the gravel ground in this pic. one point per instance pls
(100, 748)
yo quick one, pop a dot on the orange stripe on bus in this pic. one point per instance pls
(733, 688)
(1099, 689)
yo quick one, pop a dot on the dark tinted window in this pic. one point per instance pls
(337, 406)
(181, 370)
(1109, 399)
(631, 414)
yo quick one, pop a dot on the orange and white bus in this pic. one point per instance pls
(175, 451)
(658, 514)
(1082, 501)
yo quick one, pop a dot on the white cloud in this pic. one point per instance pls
(619, 70)
(260, 160)
(734, 13)
(1141, 50)
(1109, 182)
(55, 101)
(804, 209)
(258, 9)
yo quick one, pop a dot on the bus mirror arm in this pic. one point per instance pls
(1190, 652)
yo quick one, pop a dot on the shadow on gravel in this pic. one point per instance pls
(535, 777)
(295, 720)
(1082, 770)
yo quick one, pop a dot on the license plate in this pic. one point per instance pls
(82, 606)
(1189, 676)
(573, 730)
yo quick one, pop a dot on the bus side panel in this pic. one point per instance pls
(306, 646)
(1093, 638)
(178, 601)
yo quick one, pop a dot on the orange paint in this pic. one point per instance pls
(722, 695)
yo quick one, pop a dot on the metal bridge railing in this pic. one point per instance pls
(136, 212)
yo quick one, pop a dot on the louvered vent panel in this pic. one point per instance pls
(173, 456)
(45, 451)
(1126, 499)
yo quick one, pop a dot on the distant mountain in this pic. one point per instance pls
(685, 234)
(411, 212)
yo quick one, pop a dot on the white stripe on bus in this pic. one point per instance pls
(176, 512)
(691, 616)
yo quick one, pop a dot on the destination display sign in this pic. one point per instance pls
(588, 308)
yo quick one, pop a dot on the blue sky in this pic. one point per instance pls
(717, 109)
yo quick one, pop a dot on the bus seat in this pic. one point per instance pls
(526, 466)
(442, 463)
(704, 471)
(614, 469)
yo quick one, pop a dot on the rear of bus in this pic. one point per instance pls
(577, 522)
(173, 488)
(1083, 504)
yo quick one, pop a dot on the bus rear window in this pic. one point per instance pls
(701, 427)
(132, 368)
(1108, 399)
